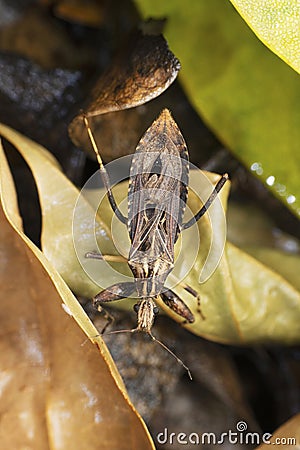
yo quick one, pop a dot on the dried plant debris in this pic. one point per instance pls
(141, 71)
(90, 13)
(36, 101)
(31, 87)
(154, 381)
(34, 33)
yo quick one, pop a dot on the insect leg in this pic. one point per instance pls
(112, 293)
(177, 305)
(109, 320)
(208, 202)
(195, 294)
(109, 258)
(104, 174)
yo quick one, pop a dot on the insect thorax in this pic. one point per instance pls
(150, 275)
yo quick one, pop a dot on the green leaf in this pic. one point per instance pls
(245, 93)
(277, 24)
(250, 229)
(286, 264)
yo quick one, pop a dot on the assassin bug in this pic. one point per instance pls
(157, 196)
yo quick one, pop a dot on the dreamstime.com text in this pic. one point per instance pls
(238, 436)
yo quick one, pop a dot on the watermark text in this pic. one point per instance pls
(238, 436)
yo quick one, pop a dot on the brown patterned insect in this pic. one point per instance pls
(157, 196)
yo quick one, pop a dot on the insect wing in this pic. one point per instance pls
(158, 187)
(154, 224)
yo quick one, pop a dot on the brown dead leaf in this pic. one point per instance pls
(37, 37)
(141, 71)
(286, 437)
(89, 13)
(58, 391)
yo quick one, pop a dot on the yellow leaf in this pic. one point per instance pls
(58, 197)
(50, 372)
(277, 24)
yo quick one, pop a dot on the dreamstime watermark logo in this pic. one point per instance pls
(238, 436)
(87, 233)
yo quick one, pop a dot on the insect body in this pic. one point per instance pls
(156, 202)
(157, 196)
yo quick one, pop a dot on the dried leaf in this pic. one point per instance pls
(287, 436)
(50, 373)
(58, 197)
(42, 40)
(90, 13)
(142, 70)
(116, 133)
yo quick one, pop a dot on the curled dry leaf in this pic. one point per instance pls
(58, 390)
(142, 70)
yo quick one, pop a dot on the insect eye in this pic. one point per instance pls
(136, 307)
(156, 310)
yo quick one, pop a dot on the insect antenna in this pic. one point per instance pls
(133, 330)
(103, 173)
(171, 353)
(208, 202)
